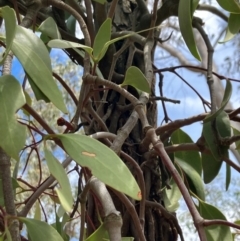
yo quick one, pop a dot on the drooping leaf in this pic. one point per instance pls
(185, 12)
(226, 98)
(137, 79)
(9, 237)
(190, 157)
(231, 6)
(12, 134)
(34, 57)
(224, 130)
(233, 27)
(102, 37)
(50, 28)
(171, 197)
(100, 234)
(228, 176)
(102, 161)
(214, 232)
(64, 192)
(194, 177)
(211, 167)
(63, 44)
(9, 17)
(39, 231)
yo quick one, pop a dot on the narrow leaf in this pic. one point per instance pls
(57, 170)
(63, 44)
(226, 98)
(37, 213)
(50, 28)
(9, 17)
(137, 79)
(228, 176)
(102, 37)
(100, 234)
(12, 134)
(185, 11)
(71, 25)
(39, 231)
(102, 161)
(214, 232)
(27, 46)
(194, 177)
(231, 6)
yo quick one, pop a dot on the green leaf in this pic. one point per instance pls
(71, 25)
(226, 98)
(50, 28)
(9, 17)
(214, 232)
(228, 176)
(194, 177)
(100, 1)
(102, 37)
(37, 213)
(237, 143)
(63, 44)
(171, 197)
(231, 6)
(13, 134)
(56, 169)
(102, 161)
(39, 231)
(100, 234)
(27, 46)
(185, 11)
(233, 27)
(190, 157)
(9, 237)
(28, 101)
(224, 130)
(210, 166)
(137, 79)
(39, 95)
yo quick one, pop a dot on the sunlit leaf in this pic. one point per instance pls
(12, 134)
(100, 234)
(171, 197)
(185, 11)
(102, 161)
(37, 213)
(28, 101)
(28, 47)
(190, 157)
(214, 232)
(224, 130)
(226, 98)
(137, 79)
(102, 37)
(39, 231)
(233, 27)
(63, 44)
(9, 17)
(56, 169)
(50, 28)
(228, 176)
(194, 177)
(232, 6)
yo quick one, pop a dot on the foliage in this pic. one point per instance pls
(127, 168)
